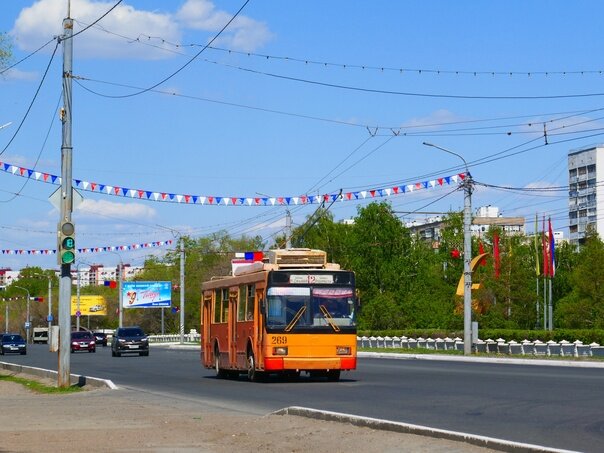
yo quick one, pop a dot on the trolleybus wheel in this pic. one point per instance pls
(220, 373)
(252, 374)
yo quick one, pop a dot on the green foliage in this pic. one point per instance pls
(6, 50)
(583, 307)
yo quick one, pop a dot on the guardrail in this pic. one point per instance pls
(192, 337)
(499, 346)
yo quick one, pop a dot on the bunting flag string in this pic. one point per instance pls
(112, 248)
(169, 197)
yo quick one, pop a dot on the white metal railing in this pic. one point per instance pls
(500, 346)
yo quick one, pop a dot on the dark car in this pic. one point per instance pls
(129, 340)
(12, 342)
(101, 338)
(83, 341)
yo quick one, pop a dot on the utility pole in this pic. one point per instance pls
(467, 252)
(288, 229)
(64, 371)
(182, 290)
(120, 296)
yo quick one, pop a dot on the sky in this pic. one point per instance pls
(175, 117)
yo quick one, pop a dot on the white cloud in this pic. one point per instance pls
(17, 74)
(243, 33)
(110, 209)
(154, 30)
(39, 22)
(436, 118)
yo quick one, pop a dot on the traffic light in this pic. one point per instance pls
(66, 246)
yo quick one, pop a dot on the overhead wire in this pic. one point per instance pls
(27, 56)
(407, 93)
(364, 67)
(38, 156)
(32, 101)
(165, 79)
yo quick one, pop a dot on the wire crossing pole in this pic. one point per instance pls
(63, 375)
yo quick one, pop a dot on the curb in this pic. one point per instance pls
(406, 428)
(49, 374)
(500, 360)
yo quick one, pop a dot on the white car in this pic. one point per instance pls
(97, 308)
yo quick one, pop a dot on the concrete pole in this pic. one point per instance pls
(120, 268)
(467, 271)
(467, 252)
(78, 299)
(27, 320)
(182, 290)
(288, 229)
(64, 365)
(49, 311)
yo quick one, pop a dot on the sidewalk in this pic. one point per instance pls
(124, 420)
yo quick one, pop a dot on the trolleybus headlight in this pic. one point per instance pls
(280, 350)
(343, 350)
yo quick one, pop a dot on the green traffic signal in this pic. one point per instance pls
(68, 243)
(67, 257)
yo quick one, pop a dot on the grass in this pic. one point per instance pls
(38, 387)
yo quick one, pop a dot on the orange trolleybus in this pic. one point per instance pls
(289, 313)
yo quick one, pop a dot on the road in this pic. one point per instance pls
(558, 407)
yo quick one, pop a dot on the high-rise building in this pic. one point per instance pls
(586, 192)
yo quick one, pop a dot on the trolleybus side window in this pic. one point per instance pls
(245, 309)
(221, 305)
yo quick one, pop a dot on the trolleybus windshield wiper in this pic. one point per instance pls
(329, 318)
(296, 318)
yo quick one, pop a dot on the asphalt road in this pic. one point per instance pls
(560, 407)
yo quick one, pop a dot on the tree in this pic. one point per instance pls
(583, 307)
(6, 50)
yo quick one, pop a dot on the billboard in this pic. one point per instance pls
(146, 294)
(89, 306)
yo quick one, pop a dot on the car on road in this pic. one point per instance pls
(12, 342)
(100, 338)
(130, 339)
(83, 341)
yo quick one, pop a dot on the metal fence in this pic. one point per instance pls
(499, 346)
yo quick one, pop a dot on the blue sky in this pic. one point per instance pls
(293, 98)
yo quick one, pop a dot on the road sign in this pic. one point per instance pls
(49, 318)
(78, 313)
(27, 325)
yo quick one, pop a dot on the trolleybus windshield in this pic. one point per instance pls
(311, 308)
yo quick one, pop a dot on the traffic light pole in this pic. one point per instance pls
(66, 207)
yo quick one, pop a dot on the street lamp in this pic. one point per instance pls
(78, 313)
(467, 252)
(27, 320)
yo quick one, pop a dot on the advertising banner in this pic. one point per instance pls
(146, 294)
(89, 306)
